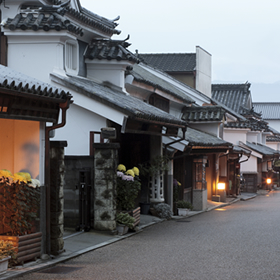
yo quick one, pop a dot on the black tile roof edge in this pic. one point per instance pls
(13, 80)
(110, 49)
(221, 142)
(59, 11)
(260, 148)
(67, 81)
(177, 81)
(230, 111)
(218, 111)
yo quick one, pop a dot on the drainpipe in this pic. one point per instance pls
(47, 222)
(245, 159)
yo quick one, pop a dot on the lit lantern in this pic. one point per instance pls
(221, 186)
(268, 180)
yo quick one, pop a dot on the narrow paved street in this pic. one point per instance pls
(240, 241)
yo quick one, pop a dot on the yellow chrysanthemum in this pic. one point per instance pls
(121, 168)
(26, 175)
(130, 172)
(136, 171)
(5, 173)
(19, 178)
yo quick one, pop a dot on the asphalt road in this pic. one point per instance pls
(240, 241)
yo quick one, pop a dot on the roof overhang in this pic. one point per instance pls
(143, 126)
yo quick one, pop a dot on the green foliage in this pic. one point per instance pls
(184, 204)
(7, 249)
(125, 219)
(127, 192)
(19, 206)
(158, 163)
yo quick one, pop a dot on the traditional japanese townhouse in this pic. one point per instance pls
(201, 144)
(254, 130)
(270, 113)
(72, 48)
(29, 111)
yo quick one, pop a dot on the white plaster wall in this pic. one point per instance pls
(106, 71)
(273, 145)
(79, 122)
(249, 166)
(274, 124)
(253, 137)
(211, 128)
(234, 136)
(203, 71)
(35, 56)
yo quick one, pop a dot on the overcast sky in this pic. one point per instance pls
(243, 36)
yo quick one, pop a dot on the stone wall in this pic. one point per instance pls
(105, 185)
(57, 170)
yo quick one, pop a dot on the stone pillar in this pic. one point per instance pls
(57, 169)
(105, 185)
(199, 184)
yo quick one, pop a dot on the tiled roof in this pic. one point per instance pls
(203, 113)
(18, 82)
(262, 149)
(23, 97)
(235, 96)
(59, 16)
(199, 138)
(110, 49)
(140, 74)
(253, 125)
(269, 110)
(171, 62)
(272, 139)
(127, 104)
(240, 150)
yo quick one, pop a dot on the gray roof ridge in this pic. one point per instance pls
(180, 53)
(175, 80)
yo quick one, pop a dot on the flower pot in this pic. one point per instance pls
(4, 264)
(28, 246)
(122, 229)
(145, 208)
(183, 211)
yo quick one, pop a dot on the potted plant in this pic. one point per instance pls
(124, 222)
(7, 251)
(19, 204)
(128, 188)
(184, 207)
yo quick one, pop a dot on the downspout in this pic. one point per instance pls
(47, 230)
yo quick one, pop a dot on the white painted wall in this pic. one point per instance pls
(253, 136)
(107, 71)
(211, 128)
(36, 56)
(79, 123)
(274, 124)
(203, 77)
(235, 135)
(250, 166)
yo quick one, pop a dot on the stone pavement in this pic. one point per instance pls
(78, 243)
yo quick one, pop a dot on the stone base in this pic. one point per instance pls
(216, 198)
(199, 200)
